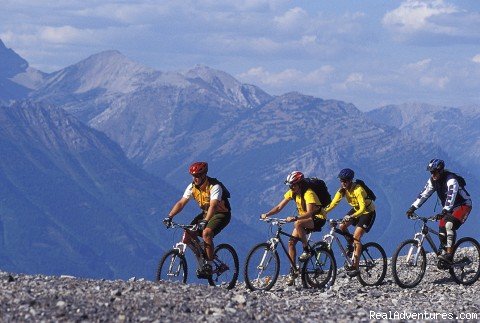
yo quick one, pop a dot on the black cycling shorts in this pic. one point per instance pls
(317, 224)
(365, 221)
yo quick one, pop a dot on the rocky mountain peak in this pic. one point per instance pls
(109, 71)
(10, 62)
(226, 85)
(213, 76)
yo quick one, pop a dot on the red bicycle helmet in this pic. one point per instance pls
(294, 177)
(198, 168)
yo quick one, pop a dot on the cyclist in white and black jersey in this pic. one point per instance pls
(455, 200)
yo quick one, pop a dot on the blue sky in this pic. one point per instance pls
(370, 52)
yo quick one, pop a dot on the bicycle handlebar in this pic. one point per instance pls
(415, 216)
(335, 222)
(191, 227)
(275, 221)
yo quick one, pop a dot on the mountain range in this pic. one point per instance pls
(71, 202)
(165, 120)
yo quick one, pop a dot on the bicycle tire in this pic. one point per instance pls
(225, 267)
(372, 257)
(168, 262)
(320, 269)
(401, 271)
(254, 279)
(472, 265)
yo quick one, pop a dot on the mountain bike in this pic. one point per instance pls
(173, 265)
(262, 266)
(321, 268)
(409, 262)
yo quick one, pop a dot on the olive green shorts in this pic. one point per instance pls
(217, 223)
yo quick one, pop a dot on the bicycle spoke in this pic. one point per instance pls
(465, 268)
(172, 267)
(409, 263)
(261, 267)
(225, 267)
(320, 269)
(372, 265)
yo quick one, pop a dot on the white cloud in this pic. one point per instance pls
(129, 13)
(292, 19)
(476, 59)
(64, 34)
(435, 82)
(288, 78)
(420, 65)
(353, 81)
(416, 16)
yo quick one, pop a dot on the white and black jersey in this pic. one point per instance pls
(450, 193)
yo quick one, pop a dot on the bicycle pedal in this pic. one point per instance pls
(203, 275)
(442, 265)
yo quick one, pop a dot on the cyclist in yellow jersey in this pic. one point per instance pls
(310, 216)
(212, 197)
(362, 214)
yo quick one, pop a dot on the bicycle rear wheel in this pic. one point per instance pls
(372, 265)
(262, 267)
(172, 267)
(320, 269)
(409, 263)
(225, 267)
(465, 267)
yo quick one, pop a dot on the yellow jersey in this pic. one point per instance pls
(310, 198)
(356, 197)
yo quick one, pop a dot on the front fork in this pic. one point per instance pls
(412, 257)
(273, 246)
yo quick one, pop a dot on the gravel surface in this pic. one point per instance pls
(26, 298)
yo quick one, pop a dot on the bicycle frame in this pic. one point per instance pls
(190, 240)
(273, 241)
(332, 236)
(425, 234)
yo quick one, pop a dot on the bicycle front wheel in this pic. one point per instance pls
(320, 269)
(172, 267)
(262, 267)
(465, 268)
(409, 263)
(225, 267)
(372, 264)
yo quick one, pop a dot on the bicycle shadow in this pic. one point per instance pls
(444, 281)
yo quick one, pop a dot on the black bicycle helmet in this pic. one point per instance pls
(346, 174)
(436, 165)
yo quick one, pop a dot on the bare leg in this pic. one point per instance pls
(357, 235)
(207, 236)
(300, 226)
(292, 252)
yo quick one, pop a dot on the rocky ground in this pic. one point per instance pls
(68, 299)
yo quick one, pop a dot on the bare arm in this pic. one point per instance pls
(211, 209)
(276, 209)
(178, 207)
